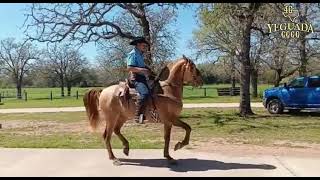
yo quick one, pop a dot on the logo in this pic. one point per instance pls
(293, 28)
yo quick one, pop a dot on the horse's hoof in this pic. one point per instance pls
(126, 151)
(116, 162)
(178, 146)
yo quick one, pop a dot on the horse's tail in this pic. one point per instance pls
(91, 103)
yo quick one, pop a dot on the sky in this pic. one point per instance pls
(12, 19)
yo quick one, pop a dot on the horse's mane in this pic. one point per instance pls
(164, 73)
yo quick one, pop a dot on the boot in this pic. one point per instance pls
(139, 117)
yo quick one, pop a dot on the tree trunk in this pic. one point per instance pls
(233, 74)
(303, 55)
(277, 83)
(302, 40)
(19, 87)
(69, 89)
(254, 82)
(146, 33)
(245, 106)
(62, 86)
(278, 78)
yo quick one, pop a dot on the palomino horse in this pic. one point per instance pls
(105, 105)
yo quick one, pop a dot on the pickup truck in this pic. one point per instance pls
(300, 93)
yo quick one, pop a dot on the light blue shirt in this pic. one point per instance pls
(135, 58)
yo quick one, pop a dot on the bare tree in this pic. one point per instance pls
(86, 22)
(280, 57)
(308, 13)
(17, 59)
(113, 53)
(66, 63)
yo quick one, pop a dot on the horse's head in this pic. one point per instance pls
(191, 73)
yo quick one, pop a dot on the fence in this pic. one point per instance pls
(49, 95)
(206, 92)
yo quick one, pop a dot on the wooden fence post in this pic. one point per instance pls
(51, 95)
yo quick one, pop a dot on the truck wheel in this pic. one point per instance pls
(275, 106)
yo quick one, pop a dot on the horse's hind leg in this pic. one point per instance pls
(107, 136)
(186, 139)
(124, 141)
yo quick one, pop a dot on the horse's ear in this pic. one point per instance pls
(185, 58)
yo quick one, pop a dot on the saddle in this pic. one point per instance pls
(127, 91)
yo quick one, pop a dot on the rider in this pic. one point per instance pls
(138, 72)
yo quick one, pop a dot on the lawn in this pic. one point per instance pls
(40, 97)
(70, 129)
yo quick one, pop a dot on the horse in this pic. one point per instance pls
(105, 105)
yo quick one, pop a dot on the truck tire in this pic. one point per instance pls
(275, 106)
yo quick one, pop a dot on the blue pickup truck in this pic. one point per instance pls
(300, 93)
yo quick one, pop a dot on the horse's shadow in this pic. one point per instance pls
(192, 164)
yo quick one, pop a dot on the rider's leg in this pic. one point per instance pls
(143, 94)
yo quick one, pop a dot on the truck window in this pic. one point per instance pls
(297, 83)
(314, 82)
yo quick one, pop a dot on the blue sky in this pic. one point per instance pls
(12, 18)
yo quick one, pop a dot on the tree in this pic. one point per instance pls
(258, 40)
(306, 43)
(225, 29)
(112, 54)
(90, 22)
(17, 59)
(64, 62)
(280, 57)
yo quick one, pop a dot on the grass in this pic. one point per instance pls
(40, 97)
(70, 129)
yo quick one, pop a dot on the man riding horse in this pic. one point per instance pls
(138, 72)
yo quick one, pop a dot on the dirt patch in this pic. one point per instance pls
(43, 127)
(278, 148)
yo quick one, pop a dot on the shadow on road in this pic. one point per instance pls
(185, 165)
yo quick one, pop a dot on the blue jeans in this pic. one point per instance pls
(142, 88)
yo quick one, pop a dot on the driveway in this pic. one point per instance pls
(94, 162)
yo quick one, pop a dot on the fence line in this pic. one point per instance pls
(25, 95)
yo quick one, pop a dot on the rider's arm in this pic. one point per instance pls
(132, 65)
(137, 69)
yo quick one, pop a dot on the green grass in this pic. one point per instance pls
(40, 97)
(69, 129)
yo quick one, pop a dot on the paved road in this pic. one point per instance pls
(77, 109)
(93, 162)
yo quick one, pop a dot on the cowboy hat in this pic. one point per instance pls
(137, 40)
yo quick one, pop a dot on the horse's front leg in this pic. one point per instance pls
(186, 139)
(167, 133)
